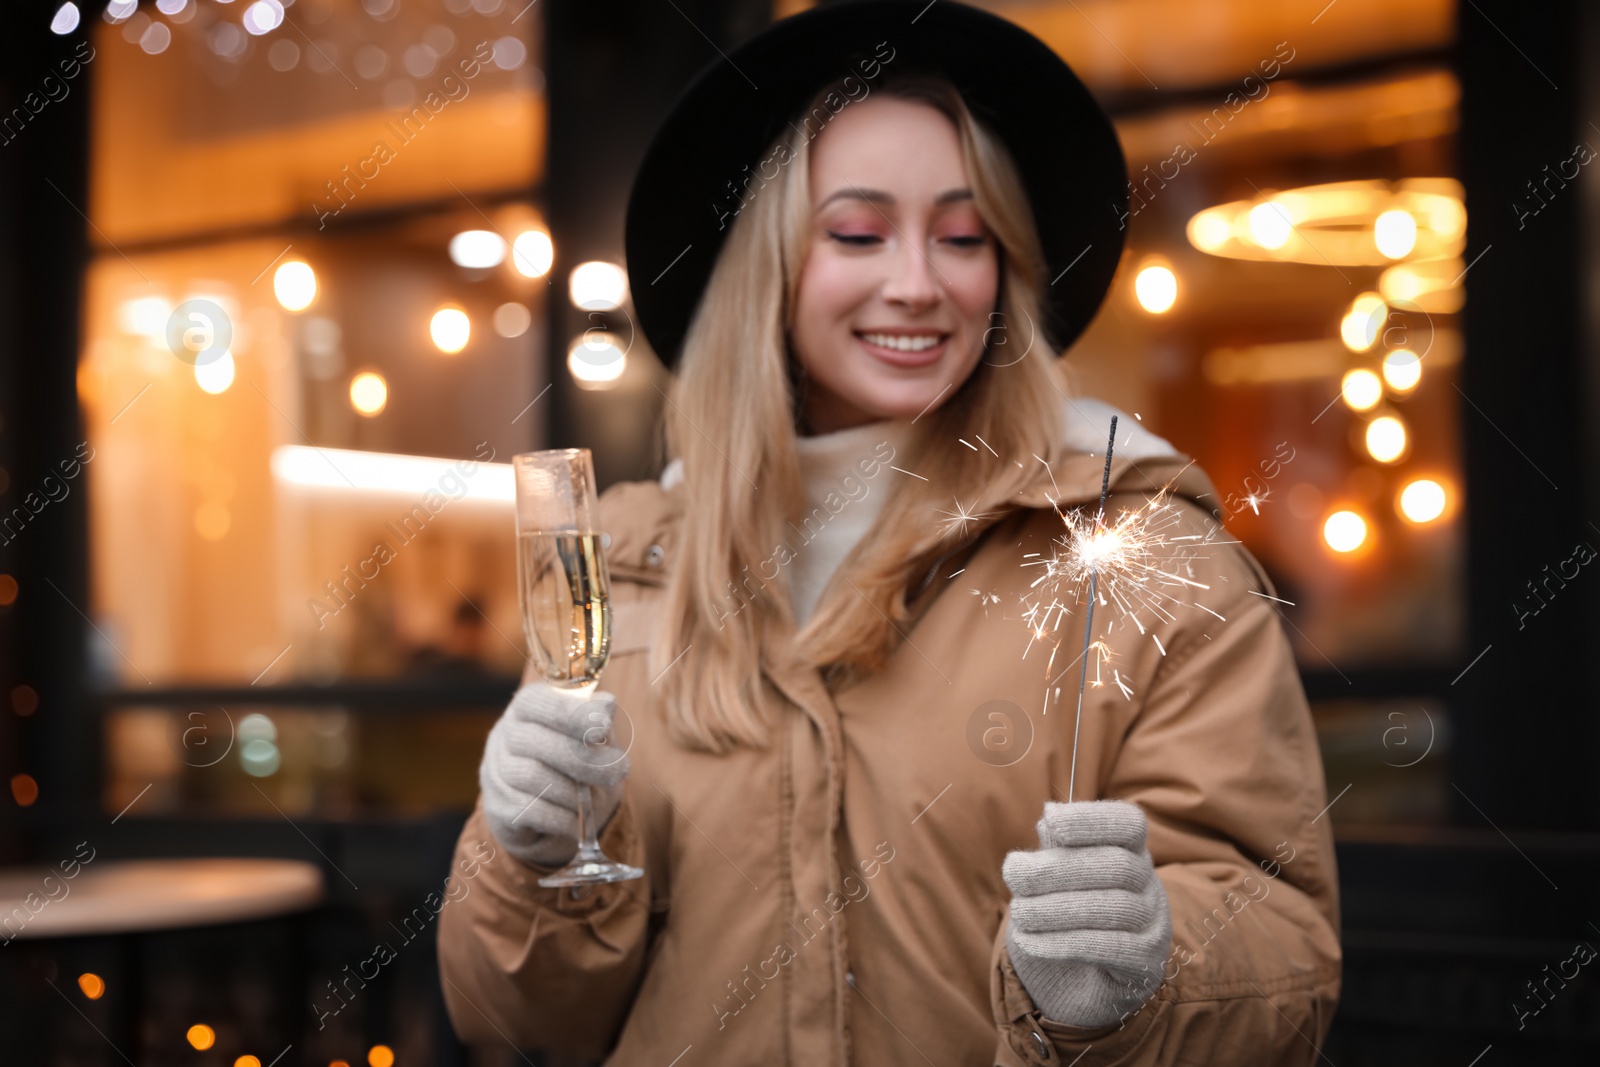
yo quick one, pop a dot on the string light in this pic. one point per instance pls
(1344, 531)
(1361, 389)
(1395, 233)
(1359, 327)
(295, 285)
(1402, 370)
(1156, 288)
(450, 329)
(1422, 500)
(532, 253)
(369, 393)
(1386, 438)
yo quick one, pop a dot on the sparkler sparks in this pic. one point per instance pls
(1128, 566)
(1135, 571)
(955, 522)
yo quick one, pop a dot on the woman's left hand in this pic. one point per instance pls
(1090, 926)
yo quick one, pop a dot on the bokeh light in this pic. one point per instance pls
(1402, 370)
(598, 286)
(477, 248)
(93, 986)
(369, 393)
(512, 320)
(380, 1056)
(1386, 438)
(1395, 233)
(1423, 500)
(65, 19)
(1360, 325)
(1269, 225)
(263, 16)
(1361, 389)
(214, 376)
(596, 360)
(24, 790)
(450, 329)
(295, 285)
(1344, 531)
(201, 1036)
(1210, 230)
(532, 253)
(146, 316)
(1156, 288)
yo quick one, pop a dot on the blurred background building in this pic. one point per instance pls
(284, 283)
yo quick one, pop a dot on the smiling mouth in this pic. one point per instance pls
(904, 342)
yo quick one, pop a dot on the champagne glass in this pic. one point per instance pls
(566, 610)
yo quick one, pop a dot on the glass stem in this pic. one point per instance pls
(587, 831)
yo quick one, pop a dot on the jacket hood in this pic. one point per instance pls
(640, 516)
(1141, 462)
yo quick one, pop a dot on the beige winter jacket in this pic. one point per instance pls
(836, 898)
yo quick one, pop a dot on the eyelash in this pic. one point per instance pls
(861, 240)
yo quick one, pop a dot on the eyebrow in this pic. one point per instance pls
(878, 196)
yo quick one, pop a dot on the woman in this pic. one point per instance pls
(849, 745)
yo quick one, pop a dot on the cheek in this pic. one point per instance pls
(973, 287)
(830, 290)
(832, 286)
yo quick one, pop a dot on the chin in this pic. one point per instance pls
(901, 400)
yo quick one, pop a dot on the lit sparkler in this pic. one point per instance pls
(1126, 566)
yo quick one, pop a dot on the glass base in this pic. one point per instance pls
(591, 869)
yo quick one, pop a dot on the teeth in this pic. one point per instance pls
(902, 342)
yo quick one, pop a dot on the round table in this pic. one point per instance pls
(132, 896)
(129, 899)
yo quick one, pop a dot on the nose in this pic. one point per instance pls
(913, 283)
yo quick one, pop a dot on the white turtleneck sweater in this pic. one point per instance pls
(831, 464)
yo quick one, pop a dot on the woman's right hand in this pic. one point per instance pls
(548, 742)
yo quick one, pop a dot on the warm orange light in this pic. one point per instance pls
(246, 1061)
(1402, 370)
(1361, 389)
(1360, 326)
(1386, 438)
(24, 790)
(380, 1056)
(532, 253)
(1395, 233)
(1156, 288)
(1344, 531)
(8, 589)
(450, 329)
(1422, 500)
(201, 1036)
(369, 393)
(93, 986)
(295, 285)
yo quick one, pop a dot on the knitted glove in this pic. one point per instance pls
(1090, 926)
(547, 742)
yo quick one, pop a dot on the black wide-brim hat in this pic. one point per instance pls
(693, 178)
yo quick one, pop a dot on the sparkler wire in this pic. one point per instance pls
(1088, 621)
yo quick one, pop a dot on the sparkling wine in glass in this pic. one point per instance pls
(566, 609)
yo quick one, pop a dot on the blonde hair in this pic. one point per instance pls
(731, 418)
